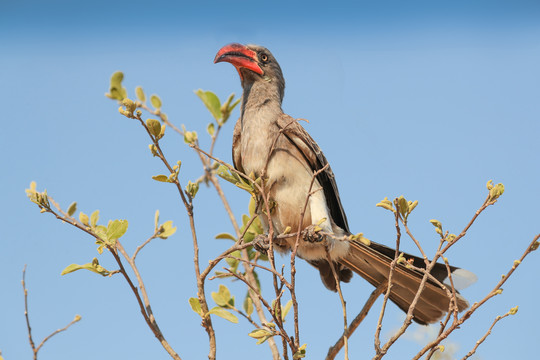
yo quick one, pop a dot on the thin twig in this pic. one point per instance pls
(140, 247)
(343, 304)
(293, 256)
(35, 349)
(249, 271)
(456, 324)
(334, 350)
(162, 116)
(440, 252)
(270, 309)
(389, 286)
(417, 243)
(483, 338)
(32, 344)
(151, 323)
(187, 200)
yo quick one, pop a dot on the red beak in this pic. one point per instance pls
(240, 56)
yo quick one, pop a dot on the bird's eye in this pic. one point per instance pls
(264, 58)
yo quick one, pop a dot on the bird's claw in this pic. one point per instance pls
(312, 234)
(261, 243)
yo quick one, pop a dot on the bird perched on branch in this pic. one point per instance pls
(267, 141)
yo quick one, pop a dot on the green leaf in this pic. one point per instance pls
(162, 131)
(245, 220)
(403, 206)
(168, 230)
(412, 205)
(211, 129)
(190, 137)
(222, 297)
(252, 206)
(196, 306)
(129, 105)
(94, 218)
(232, 261)
(285, 310)
(117, 78)
(513, 310)
(248, 187)
(261, 334)
(231, 108)
(223, 172)
(224, 314)
(226, 109)
(386, 204)
(192, 188)
(161, 178)
(101, 231)
(153, 149)
(116, 229)
(361, 238)
(116, 90)
(140, 94)
(301, 353)
(154, 126)
(248, 305)
(93, 266)
(496, 192)
(211, 101)
(31, 189)
(224, 292)
(72, 208)
(83, 218)
(249, 236)
(256, 226)
(436, 223)
(156, 101)
(225, 236)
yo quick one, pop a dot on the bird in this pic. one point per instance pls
(268, 141)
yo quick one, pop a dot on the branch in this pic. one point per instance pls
(151, 322)
(380, 352)
(496, 290)
(245, 257)
(389, 286)
(187, 200)
(343, 304)
(35, 349)
(497, 319)
(334, 350)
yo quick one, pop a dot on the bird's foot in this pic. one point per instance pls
(313, 234)
(261, 243)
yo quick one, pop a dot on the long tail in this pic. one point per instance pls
(373, 264)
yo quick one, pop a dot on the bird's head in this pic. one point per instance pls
(254, 63)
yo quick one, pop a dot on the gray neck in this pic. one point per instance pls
(260, 97)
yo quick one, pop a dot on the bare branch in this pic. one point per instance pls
(334, 350)
(389, 286)
(343, 305)
(483, 338)
(35, 349)
(496, 290)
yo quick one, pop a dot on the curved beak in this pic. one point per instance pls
(240, 56)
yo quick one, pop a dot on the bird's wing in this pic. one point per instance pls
(236, 151)
(313, 155)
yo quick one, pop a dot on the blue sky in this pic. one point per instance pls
(422, 99)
